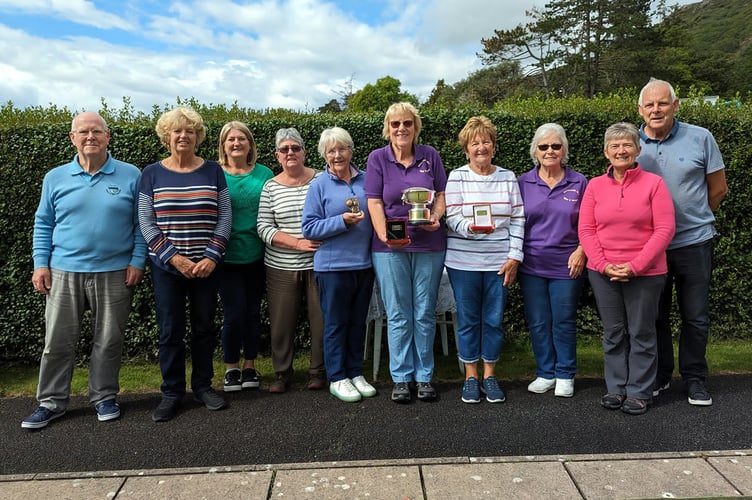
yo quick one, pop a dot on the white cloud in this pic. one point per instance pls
(263, 54)
(83, 12)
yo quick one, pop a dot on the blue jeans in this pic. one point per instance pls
(551, 314)
(241, 288)
(344, 297)
(409, 284)
(481, 298)
(689, 269)
(170, 292)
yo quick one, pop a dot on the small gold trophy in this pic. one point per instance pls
(353, 204)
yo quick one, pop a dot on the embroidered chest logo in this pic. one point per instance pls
(571, 195)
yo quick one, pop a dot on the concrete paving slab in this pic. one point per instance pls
(737, 470)
(220, 486)
(499, 480)
(664, 478)
(62, 489)
(349, 483)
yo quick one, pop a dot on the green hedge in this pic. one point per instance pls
(28, 152)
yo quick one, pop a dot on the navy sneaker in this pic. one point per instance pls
(493, 392)
(211, 399)
(659, 387)
(471, 391)
(107, 410)
(697, 394)
(40, 418)
(232, 380)
(250, 379)
(166, 410)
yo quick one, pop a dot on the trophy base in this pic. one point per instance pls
(481, 228)
(418, 222)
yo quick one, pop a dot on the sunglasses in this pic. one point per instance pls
(295, 149)
(397, 123)
(544, 147)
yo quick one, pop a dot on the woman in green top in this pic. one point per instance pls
(242, 276)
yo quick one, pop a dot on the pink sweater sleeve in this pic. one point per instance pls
(664, 224)
(587, 230)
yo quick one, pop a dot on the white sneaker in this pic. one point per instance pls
(564, 387)
(344, 390)
(541, 385)
(363, 387)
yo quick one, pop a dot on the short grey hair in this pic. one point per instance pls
(621, 130)
(654, 82)
(548, 129)
(334, 136)
(288, 134)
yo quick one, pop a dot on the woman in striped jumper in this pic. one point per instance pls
(185, 216)
(486, 224)
(289, 262)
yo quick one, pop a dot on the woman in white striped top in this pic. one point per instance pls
(289, 262)
(486, 224)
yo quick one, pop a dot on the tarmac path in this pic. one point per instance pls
(306, 426)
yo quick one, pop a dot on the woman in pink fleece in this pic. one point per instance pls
(626, 223)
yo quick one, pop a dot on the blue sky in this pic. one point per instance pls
(293, 54)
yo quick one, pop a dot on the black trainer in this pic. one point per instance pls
(210, 399)
(660, 386)
(426, 392)
(697, 394)
(401, 393)
(250, 379)
(232, 380)
(166, 410)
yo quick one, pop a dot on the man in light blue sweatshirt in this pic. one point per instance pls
(88, 253)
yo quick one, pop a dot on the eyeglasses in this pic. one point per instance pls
(335, 151)
(397, 123)
(96, 132)
(544, 147)
(295, 149)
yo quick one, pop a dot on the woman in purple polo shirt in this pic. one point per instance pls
(551, 273)
(408, 271)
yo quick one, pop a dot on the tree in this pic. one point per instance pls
(526, 42)
(483, 87)
(566, 42)
(379, 96)
(330, 107)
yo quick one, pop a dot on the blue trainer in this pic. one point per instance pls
(107, 410)
(493, 392)
(471, 391)
(40, 418)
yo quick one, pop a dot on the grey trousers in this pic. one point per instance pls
(285, 291)
(628, 311)
(69, 296)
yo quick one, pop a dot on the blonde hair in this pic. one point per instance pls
(399, 108)
(477, 126)
(229, 127)
(180, 116)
